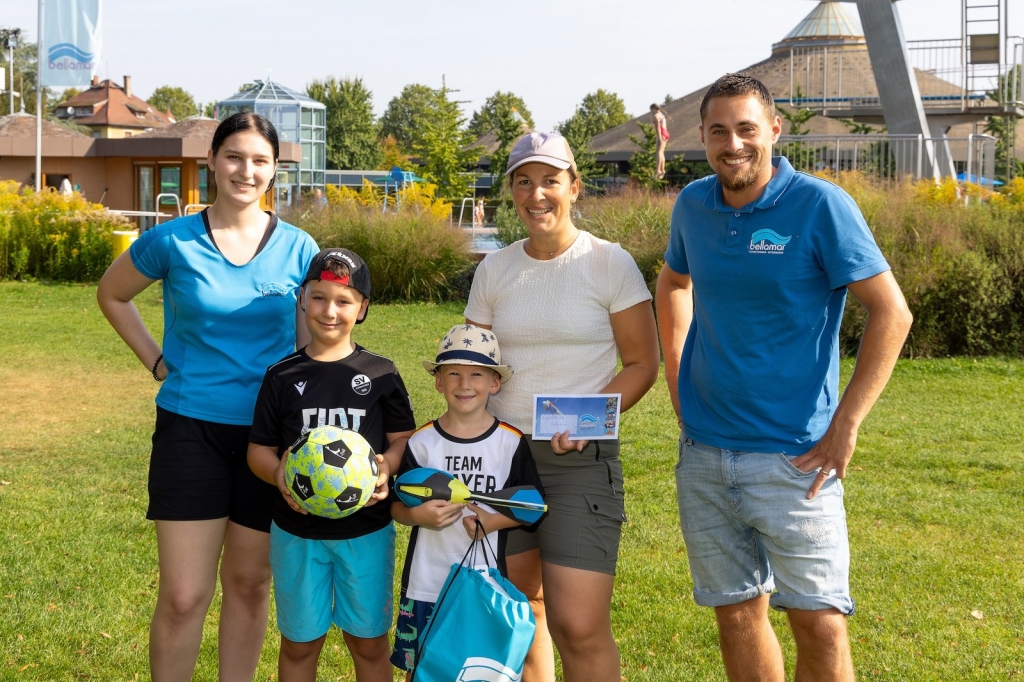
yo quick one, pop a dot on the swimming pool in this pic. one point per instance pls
(485, 243)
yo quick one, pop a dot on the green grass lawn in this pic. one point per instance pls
(935, 500)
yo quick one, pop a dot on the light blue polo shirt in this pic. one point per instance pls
(760, 367)
(224, 324)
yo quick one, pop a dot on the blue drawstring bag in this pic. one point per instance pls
(481, 628)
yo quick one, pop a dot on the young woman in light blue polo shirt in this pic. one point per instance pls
(230, 276)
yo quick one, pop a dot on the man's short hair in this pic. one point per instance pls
(738, 85)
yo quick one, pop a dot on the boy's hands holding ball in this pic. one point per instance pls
(283, 486)
(380, 491)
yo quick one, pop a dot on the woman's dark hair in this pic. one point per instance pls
(240, 123)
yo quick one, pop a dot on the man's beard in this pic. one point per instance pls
(740, 181)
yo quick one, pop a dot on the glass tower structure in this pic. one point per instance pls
(298, 118)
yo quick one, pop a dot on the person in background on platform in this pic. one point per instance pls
(659, 120)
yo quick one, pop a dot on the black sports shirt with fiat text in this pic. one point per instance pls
(362, 392)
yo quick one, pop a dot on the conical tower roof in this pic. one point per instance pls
(269, 91)
(829, 24)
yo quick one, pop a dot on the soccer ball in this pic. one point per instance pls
(331, 472)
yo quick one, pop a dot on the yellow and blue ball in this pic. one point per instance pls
(331, 472)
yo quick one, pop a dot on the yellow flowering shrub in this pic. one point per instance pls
(415, 197)
(45, 234)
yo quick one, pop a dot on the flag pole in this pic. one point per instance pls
(39, 100)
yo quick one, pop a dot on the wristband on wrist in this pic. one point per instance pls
(156, 364)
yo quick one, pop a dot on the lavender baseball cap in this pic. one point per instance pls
(547, 148)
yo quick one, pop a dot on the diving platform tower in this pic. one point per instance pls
(918, 88)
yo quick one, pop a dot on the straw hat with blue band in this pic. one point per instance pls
(465, 344)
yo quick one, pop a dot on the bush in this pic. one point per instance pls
(509, 227)
(961, 267)
(636, 219)
(632, 217)
(51, 236)
(413, 252)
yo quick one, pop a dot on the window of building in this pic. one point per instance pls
(170, 183)
(204, 183)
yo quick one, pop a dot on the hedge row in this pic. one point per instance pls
(961, 266)
(957, 253)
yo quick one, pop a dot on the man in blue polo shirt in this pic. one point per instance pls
(749, 302)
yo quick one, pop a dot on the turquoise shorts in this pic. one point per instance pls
(347, 582)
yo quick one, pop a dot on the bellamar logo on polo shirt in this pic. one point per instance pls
(70, 57)
(768, 241)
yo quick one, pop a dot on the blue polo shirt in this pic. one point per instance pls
(224, 324)
(760, 367)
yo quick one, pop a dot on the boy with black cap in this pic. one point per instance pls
(332, 570)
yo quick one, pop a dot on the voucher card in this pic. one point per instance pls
(585, 417)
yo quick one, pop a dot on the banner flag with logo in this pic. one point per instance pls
(71, 42)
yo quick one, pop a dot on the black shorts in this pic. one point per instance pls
(198, 471)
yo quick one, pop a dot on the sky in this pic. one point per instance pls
(550, 53)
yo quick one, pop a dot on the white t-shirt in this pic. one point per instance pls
(498, 458)
(552, 319)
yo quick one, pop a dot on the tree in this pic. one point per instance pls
(391, 155)
(796, 120)
(800, 154)
(856, 128)
(598, 112)
(210, 110)
(404, 115)
(643, 165)
(508, 127)
(177, 100)
(494, 107)
(69, 93)
(24, 81)
(575, 133)
(444, 145)
(1003, 128)
(352, 131)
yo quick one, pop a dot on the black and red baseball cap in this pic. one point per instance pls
(358, 277)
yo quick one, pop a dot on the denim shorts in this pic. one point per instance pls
(348, 582)
(749, 529)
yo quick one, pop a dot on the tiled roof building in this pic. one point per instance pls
(111, 110)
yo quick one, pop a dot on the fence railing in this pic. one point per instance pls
(823, 77)
(893, 157)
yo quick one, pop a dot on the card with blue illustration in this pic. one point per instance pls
(589, 417)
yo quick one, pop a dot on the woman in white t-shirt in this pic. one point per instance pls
(565, 305)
